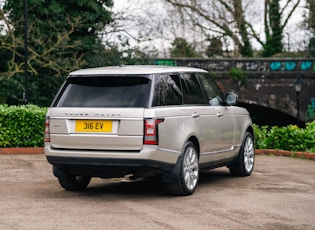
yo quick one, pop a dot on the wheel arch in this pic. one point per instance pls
(250, 129)
(195, 141)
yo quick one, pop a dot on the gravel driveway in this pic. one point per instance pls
(280, 194)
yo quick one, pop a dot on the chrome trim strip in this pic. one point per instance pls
(222, 151)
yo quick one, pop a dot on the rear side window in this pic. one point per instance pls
(167, 90)
(193, 93)
(115, 91)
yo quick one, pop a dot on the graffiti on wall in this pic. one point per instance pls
(311, 109)
(291, 65)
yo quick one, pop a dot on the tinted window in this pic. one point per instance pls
(167, 90)
(211, 89)
(193, 93)
(105, 92)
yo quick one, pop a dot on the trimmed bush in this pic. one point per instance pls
(291, 137)
(22, 126)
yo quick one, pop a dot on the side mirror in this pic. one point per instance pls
(231, 98)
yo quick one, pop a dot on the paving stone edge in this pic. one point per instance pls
(306, 155)
(22, 150)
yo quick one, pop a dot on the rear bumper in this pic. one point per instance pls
(109, 168)
(110, 164)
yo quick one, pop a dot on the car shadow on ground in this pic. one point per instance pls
(125, 187)
(147, 187)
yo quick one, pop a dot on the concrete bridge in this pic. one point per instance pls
(265, 85)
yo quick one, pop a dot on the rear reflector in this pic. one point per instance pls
(151, 131)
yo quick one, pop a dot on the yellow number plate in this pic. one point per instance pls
(93, 126)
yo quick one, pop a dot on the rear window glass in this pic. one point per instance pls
(105, 92)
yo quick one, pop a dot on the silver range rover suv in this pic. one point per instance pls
(145, 121)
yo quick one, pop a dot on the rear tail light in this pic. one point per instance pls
(151, 131)
(47, 132)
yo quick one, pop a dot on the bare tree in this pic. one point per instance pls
(150, 26)
(134, 26)
(231, 20)
(220, 18)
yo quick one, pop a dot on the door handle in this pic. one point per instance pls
(195, 115)
(219, 114)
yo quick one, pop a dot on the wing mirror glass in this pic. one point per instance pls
(215, 101)
(231, 98)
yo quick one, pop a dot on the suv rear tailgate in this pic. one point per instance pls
(96, 129)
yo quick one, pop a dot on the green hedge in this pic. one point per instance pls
(291, 138)
(22, 126)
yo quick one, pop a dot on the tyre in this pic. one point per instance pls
(244, 163)
(74, 183)
(188, 175)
